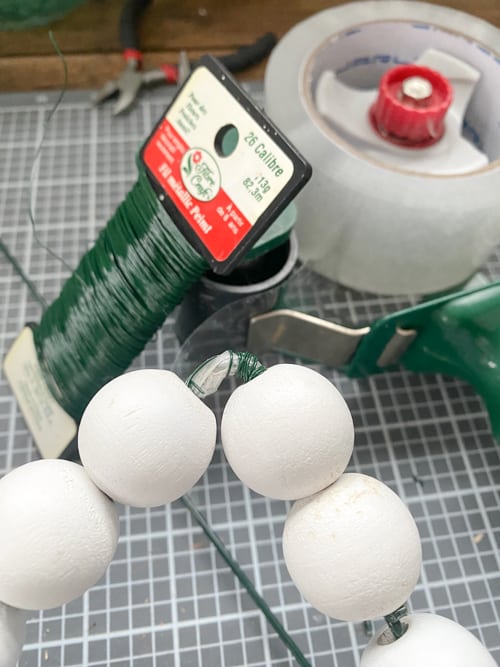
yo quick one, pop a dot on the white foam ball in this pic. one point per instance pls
(145, 438)
(59, 534)
(12, 634)
(353, 549)
(430, 641)
(287, 433)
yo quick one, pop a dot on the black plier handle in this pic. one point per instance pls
(127, 86)
(129, 29)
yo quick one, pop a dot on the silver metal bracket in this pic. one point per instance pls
(303, 336)
(314, 339)
(396, 347)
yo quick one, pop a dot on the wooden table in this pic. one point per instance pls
(88, 36)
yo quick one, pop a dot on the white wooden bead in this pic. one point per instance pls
(287, 433)
(353, 549)
(430, 641)
(12, 635)
(145, 439)
(59, 534)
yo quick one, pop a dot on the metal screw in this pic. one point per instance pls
(417, 89)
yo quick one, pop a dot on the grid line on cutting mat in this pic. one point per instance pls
(167, 599)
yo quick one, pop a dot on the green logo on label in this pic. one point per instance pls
(200, 174)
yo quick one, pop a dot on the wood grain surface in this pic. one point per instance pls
(88, 36)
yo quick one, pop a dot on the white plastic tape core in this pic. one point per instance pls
(360, 55)
(364, 221)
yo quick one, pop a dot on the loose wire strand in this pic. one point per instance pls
(35, 168)
(34, 171)
(246, 582)
(24, 278)
(208, 376)
(204, 381)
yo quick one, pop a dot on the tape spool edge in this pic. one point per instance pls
(286, 71)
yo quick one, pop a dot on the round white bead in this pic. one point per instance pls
(353, 550)
(12, 634)
(430, 641)
(59, 534)
(145, 439)
(287, 433)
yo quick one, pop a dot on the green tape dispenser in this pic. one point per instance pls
(457, 334)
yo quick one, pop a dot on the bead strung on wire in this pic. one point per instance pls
(352, 548)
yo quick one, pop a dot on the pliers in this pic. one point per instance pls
(127, 86)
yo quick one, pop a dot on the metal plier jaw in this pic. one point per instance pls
(127, 86)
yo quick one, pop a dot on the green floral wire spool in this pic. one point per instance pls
(138, 271)
(21, 14)
(119, 295)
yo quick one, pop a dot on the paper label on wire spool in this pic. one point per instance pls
(221, 169)
(51, 427)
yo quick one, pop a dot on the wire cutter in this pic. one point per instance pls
(127, 86)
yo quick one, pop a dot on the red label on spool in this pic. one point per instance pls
(220, 168)
(190, 177)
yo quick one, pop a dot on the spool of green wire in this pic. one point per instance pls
(119, 295)
(22, 14)
(142, 265)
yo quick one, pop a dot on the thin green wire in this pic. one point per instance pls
(246, 582)
(395, 621)
(119, 295)
(36, 160)
(248, 367)
(38, 152)
(17, 267)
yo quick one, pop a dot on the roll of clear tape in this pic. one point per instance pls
(362, 221)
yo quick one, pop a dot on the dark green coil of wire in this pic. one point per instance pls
(119, 295)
